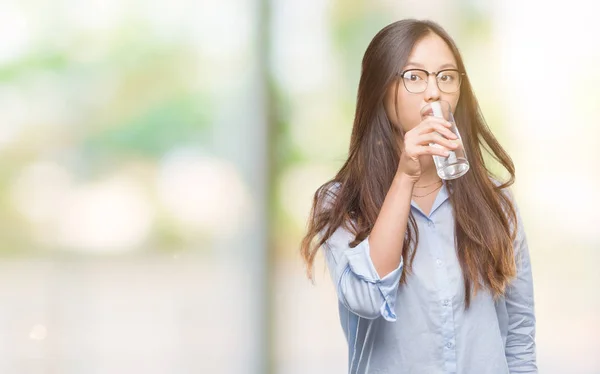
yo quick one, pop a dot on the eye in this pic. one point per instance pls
(448, 77)
(413, 76)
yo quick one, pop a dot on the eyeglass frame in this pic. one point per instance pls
(435, 73)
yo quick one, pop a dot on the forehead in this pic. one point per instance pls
(431, 52)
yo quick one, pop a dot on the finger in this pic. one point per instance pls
(434, 137)
(428, 123)
(422, 150)
(439, 127)
(443, 131)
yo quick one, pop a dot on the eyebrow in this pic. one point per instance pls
(444, 66)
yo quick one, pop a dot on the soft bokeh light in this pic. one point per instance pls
(202, 193)
(16, 28)
(111, 215)
(38, 332)
(40, 190)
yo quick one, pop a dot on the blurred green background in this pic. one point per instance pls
(158, 160)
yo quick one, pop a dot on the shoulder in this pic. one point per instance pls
(505, 188)
(327, 194)
(507, 191)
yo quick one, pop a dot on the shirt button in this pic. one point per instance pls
(446, 302)
(430, 223)
(449, 345)
(438, 262)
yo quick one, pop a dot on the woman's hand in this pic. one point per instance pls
(416, 143)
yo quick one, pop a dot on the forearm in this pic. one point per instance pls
(387, 237)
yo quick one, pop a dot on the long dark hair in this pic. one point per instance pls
(484, 214)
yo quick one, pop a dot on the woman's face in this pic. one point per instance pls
(432, 54)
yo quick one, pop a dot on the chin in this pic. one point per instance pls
(408, 128)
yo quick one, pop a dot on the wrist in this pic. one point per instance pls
(405, 180)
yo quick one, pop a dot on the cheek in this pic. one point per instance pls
(409, 106)
(392, 109)
(453, 100)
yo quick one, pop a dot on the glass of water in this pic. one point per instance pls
(456, 164)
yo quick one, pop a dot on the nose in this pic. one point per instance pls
(432, 93)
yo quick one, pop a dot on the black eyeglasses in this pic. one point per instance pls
(416, 80)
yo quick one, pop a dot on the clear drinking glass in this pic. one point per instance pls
(456, 164)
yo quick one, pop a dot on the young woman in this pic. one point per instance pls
(432, 276)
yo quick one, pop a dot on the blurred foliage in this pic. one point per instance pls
(154, 131)
(126, 98)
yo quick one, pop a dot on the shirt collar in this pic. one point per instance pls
(441, 197)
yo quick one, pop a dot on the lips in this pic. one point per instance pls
(427, 112)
